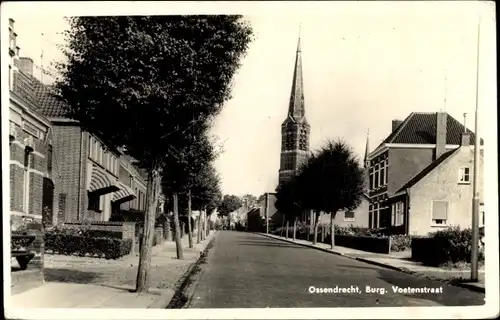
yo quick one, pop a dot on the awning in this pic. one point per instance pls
(124, 194)
(101, 182)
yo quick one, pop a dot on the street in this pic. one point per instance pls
(247, 270)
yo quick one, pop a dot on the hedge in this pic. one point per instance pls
(101, 247)
(445, 246)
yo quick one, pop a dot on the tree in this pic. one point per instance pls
(152, 78)
(289, 203)
(229, 204)
(332, 181)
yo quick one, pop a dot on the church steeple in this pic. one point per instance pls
(367, 149)
(295, 129)
(296, 107)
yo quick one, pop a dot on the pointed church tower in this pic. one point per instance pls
(295, 129)
(366, 179)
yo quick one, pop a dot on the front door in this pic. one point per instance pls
(47, 202)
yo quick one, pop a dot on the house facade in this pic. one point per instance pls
(32, 174)
(135, 181)
(88, 165)
(415, 148)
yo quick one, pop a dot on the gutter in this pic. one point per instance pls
(78, 213)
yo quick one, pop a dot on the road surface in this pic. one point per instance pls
(246, 270)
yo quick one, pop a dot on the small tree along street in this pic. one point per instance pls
(143, 81)
(331, 180)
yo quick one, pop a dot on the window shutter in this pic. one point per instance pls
(439, 210)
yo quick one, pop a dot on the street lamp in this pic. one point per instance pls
(475, 191)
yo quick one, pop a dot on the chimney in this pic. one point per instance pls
(395, 124)
(441, 133)
(465, 139)
(25, 65)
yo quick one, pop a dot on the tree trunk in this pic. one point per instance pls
(323, 231)
(177, 228)
(286, 232)
(295, 228)
(206, 224)
(190, 227)
(332, 231)
(198, 234)
(316, 224)
(146, 244)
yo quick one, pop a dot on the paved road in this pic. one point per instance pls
(245, 270)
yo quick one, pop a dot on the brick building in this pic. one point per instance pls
(423, 146)
(32, 173)
(88, 165)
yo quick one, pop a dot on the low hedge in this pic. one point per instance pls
(451, 245)
(101, 247)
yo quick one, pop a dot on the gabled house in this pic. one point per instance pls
(32, 175)
(88, 165)
(418, 171)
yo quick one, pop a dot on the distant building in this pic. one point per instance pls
(420, 175)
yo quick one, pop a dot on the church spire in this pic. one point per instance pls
(367, 148)
(296, 108)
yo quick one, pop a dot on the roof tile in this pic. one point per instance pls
(420, 128)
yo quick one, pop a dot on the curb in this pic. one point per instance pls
(383, 265)
(179, 298)
(470, 287)
(302, 244)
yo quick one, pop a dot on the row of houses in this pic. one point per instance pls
(419, 179)
(58, 171)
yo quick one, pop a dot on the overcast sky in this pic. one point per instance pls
(364, 64)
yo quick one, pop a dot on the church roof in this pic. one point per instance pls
(296, 109)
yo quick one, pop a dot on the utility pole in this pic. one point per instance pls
(475, 190)
(267, 213)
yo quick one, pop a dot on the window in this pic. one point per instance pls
(439, 212)
(26, 180)
(101, 156)
(464, 175)
(382, 173)
(94, 202)
(376, 215)
(399, 214)
(105, 159)
(376, 176)
(371, 179)
(349, 216)
(49, 160)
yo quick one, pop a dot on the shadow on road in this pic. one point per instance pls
(268, 244)
(70, 276)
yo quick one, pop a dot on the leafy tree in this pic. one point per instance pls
(249, 200)
(289, 202)
(332, 181)
(229, 204)
(142, 81)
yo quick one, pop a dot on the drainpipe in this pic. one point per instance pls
(407, 211)
(78, 212)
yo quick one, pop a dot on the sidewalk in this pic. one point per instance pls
(76, 282)
(399, 261)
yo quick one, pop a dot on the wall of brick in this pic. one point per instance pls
(35, 193)
(67, 159)
(360, 217)
(16, 188)
(404, 163)
(442, 184)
